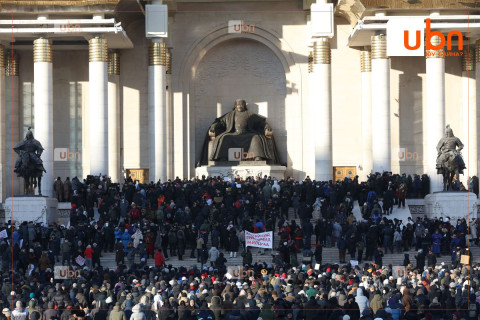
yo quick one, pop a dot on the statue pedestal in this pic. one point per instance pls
(31, 208)
(242, 170)
(452, 204)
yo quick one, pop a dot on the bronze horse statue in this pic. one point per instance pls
(449, 159)
(450, 169)
(32, 174)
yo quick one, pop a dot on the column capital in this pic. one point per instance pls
(2, 56)
(98, 50)
(157, 53)
(365, 61)
(113, 62)
(11, 64)
(468, 59)
(379, 47)
(168, 62)
(42, 50)
(477, 50)
(310, 61)
(438, 54)
(321, 51)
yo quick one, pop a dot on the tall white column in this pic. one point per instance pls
(434, 112)
(114, 115)
(98, 84)
(321, 106)
(4, 183)
(366, 74)
(477, 94)
(469, 98)
(43, 108)
(157, 111)
(169, 115)
(12, 125)
(381, 146)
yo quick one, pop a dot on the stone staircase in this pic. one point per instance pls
(330, 255)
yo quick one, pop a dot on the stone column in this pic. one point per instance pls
(4, 183)
(477, 91)
(381, 146)
(434, 112)
(321, 104)
(98, 84)
(114, 115)
(157, 110)
(169, 114)
(469, 98)
(366, 74)
(12, 122)
(43, 108)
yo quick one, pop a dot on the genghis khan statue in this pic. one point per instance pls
(243, 129)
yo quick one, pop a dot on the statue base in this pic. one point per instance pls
(31, 208)
(243, 170)
(452, 204)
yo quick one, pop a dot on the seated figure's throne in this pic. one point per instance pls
(219, 129)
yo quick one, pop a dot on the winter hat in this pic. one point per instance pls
(6, 312)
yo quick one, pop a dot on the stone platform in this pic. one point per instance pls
(243, 170)
(31, 208)
(452, 204)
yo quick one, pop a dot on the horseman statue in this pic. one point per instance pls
(449, 160)
(29, 165)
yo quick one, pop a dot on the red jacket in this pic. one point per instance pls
(88, 253)
(159, 259)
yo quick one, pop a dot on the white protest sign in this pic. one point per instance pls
(259, 240)
(80, 260)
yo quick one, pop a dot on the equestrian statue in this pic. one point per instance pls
(449, 159)
(29, 165)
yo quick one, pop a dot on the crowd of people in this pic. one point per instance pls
(206, 219)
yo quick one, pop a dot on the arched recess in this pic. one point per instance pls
(184, 136)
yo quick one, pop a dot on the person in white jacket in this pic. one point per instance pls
(213, 254)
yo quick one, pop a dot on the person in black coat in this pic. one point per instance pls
(312, 310)
(431, 259)
(379, 257)
(420, 257)
(351, 308)
(233, 244)
(318, 253)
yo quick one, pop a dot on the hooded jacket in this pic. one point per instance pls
(137, 314)
(361, 300)
(117, 314)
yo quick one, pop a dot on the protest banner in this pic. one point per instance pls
(259, 240)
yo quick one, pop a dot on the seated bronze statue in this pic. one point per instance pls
(243, 129)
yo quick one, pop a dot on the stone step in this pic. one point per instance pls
(329, 255)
